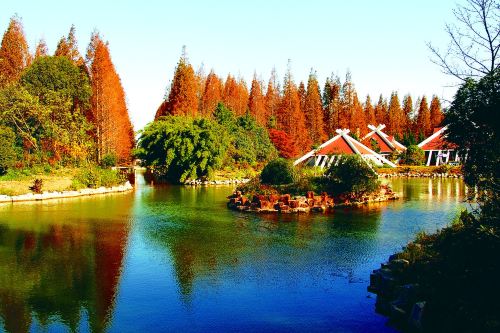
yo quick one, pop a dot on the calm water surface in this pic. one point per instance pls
(175, 259)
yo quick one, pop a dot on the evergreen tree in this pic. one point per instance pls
(331, 105)
(302, 96)
(424, 126)
(313, 111)
(14, 53)
(436, 113)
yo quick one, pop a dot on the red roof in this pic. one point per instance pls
(437, 141)
(384, 148)
(340, 146)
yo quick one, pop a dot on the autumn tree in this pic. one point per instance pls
(358, 120)
(395, 117)
(289, 116)
(302, 96)
(272, 99)
(381, 110)
(14, 53)
(235, 95)
(257, 103)
(346, 102)
(68, 47)
(408, 113)
(212, 94)
(284, 144)
(200, 78)
(436, 113)
(41, 49)
(113, 129)
(313, 110)
(369, 112)
(331, 105)
(423, 125)
(182, 98)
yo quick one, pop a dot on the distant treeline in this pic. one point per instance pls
(304, 116)
(63, 108)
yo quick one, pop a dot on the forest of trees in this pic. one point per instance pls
(60, 109)
(303, 116)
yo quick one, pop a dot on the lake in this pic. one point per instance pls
(172, 258)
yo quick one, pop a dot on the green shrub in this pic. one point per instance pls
(443, 168)
(413, 155)
(109, 160)
(94, 177)
(278, 172)
(7, 150)
(351, 175)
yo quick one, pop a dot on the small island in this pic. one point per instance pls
(283, 188)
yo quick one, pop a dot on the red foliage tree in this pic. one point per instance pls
(358, 120)
(283, 143)
(369, 112)
(435, 112)
(408, 114)
(212, 94)
(395, 117)
(381, 111)
(424, 125)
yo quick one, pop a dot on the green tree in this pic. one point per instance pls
(7, 149)
(352, 175)
(278, 172)
(413, 155)
(178, 148)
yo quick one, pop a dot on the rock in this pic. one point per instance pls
(416, 315)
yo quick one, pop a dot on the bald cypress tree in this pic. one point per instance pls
(212, 94)
(14, 53)
(41, 49)
(182, 99)
(436, 113)
(424, 126)
(257, 102)
(358, 120)
(369, 112)
(272, 99)
(395, 117)
(381, 110)
(313, 111)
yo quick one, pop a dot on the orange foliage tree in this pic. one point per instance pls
(381, 111)
(347, 103)
(289, 117)
(14, 53)
(331, 105)
(113, 129)
(436, 113)
(212, 94)
(358, 120)
(235, 95)
(424, 125)
(408, 113)
(272, 98)
(68, 47)
(395, 117)
(313, 111)
(41, 49)
(369, 112)
(257, 103)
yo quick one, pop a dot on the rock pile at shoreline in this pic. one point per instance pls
(275, 203)
(65, 194)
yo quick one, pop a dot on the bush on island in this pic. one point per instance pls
(413, 155)
(278, 172)
(351, 175)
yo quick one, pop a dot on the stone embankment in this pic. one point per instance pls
(216, 182)
(303, 204)
(398, 301)
(65, 194)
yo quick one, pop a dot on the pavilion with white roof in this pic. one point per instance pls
(437, 150)
(386, 143)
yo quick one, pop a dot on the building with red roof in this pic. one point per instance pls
(385, 143)
(341, 144)
(437, 150)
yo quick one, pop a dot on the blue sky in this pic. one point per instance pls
(381, 42)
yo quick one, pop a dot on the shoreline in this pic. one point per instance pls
(5, 199)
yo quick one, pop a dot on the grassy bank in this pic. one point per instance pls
(19, 181)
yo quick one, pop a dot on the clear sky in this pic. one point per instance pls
(381, 42)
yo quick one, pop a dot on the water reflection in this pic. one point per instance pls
(61, 268)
